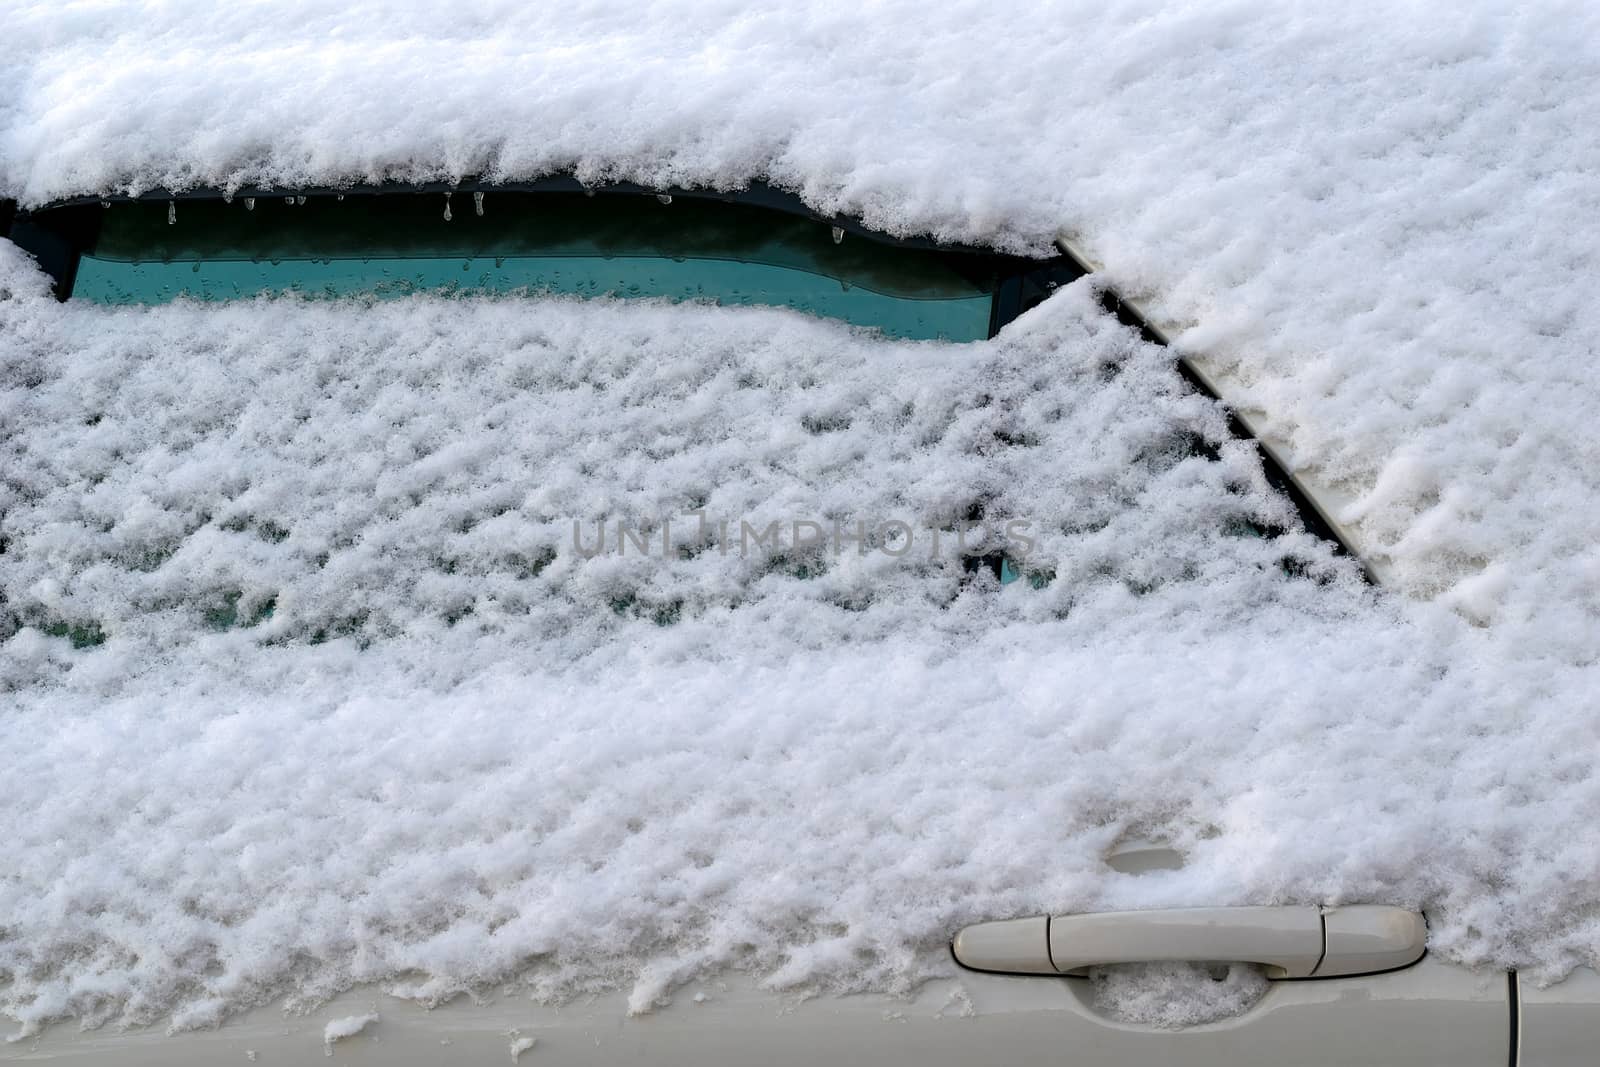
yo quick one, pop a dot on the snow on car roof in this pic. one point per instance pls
(291, 677)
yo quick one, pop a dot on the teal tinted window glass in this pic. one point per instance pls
(627, 246)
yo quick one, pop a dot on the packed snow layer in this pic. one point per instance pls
(439, 764)
(1372, 214)
(445, 757)
(270, 473)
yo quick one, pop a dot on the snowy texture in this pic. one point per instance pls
(348, 1026)
(440, 470)
(446, 757)
(1372, 213)
(1175, 995)
(440, 764)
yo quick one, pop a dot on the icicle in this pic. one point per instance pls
(664, 198)
(172, 212)
(477, 203)
(249, 203)
(447, 215)
(838, 235)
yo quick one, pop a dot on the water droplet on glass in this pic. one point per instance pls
(105, 203)
(338, 196)
(288, 200)
(447, 215)
(664, 198)
(299, 200)
(477, 203)
(249, 203)
(172, 212)
(838, 235)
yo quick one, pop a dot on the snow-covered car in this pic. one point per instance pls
(1339, 983)
(562, 676)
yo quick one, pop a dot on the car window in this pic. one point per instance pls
(392, 244)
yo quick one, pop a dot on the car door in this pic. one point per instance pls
(1350, 985)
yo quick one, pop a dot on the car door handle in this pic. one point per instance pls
(1290, 942)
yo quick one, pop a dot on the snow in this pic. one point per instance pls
(817, 778)
(1379, 233)
(446, 753)
(1172, 996)
(284, 473)
(347, 1026)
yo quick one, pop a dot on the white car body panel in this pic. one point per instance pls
(1432, 1013)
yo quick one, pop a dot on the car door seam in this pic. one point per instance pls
(1322, 925)
(1514, 1000)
